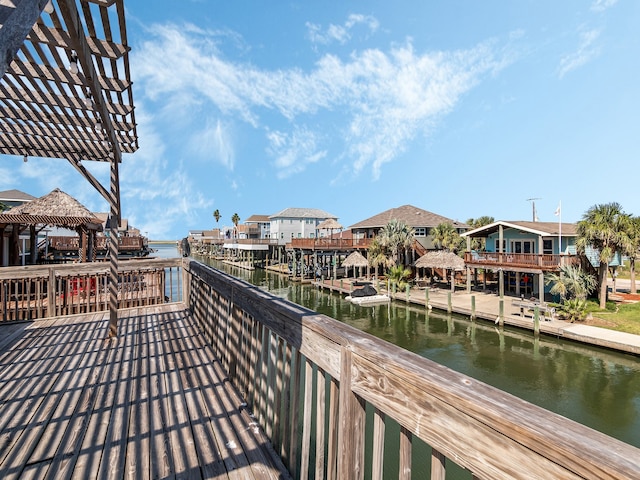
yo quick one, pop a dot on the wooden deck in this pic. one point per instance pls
(153, 403)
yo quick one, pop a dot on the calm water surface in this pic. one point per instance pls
(596, 387)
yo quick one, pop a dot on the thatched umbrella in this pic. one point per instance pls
(442, 259)
(355, 259)
(329, 224)
(57, 209)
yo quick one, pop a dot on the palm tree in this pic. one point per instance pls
(479, 243)
(571, 282)
(378, 255)
(603, 227)
(446, 236)
(398, 275)
(397, 237)
(632, 250)
(236, 220)
(216, 215)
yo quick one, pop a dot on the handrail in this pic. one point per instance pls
(525, 260)
(330, 243)
(277, 353)
(41, 291)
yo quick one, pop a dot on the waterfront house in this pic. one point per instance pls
(293, 223)
(258, 226)
(522, 252)
(422, 222)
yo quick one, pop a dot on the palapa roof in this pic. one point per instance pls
(440, 259)
(56, 208)
(355, 259)
(329, 224)
(412, 216)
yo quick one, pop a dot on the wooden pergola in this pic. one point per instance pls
(65, 92)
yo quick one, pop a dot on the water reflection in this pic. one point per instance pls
(593, 386)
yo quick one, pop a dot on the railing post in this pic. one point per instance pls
(351, 427)
(438, 465)
(51, 293)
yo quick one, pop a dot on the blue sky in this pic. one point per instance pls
(463, 108)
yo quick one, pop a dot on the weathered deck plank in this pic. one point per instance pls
(153, 403)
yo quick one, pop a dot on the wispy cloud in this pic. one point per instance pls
(294, 151)
(602, 5)
(376, 101)
(587, 50)
(340, 33)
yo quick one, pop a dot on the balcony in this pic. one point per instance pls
(329, 243)
(217, 380)
(515, 261)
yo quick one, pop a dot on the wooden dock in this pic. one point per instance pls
(153, 403)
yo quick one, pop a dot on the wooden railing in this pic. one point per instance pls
(524, 260)
(73, 243)
(329, 243)
(329, 395)
(34, 292)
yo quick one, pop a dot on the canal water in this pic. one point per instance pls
(596, 387)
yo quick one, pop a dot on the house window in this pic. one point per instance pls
(504, 245)
(311, 235)
(547, 246)
(299, 235)
(420, 232)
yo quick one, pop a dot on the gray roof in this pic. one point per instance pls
(412, 216)
(302, 213)
(15, 196)
(257, 219)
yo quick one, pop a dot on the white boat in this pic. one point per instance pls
(379, 298)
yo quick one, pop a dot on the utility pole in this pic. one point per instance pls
(533, 207)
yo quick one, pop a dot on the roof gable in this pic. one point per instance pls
(15, 196)
(545, 229)
(302, 213)
(412, 216)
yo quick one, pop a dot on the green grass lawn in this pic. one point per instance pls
(626, 319)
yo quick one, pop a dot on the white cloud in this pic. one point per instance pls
(585, 53)
(602, 5)
(294, 151)
(376, 101)
(214, 142)
(340, 33)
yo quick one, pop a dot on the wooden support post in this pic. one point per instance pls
(473, 307)
(426, 297)
(501, 314)
(408, 289)
(536, 320)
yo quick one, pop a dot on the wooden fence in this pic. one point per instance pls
(330, 396)
(33, 292)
